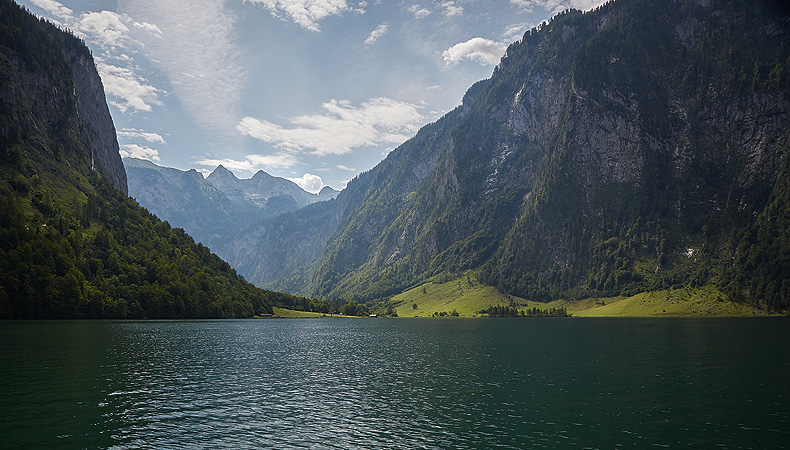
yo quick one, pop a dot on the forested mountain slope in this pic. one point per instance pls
(639, 146)
(72, 244)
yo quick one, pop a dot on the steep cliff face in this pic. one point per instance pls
(52, 95)
(620, 150)
(92, 110)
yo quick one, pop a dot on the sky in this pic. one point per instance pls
(316, 91)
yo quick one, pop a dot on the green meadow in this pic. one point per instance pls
(467, 297)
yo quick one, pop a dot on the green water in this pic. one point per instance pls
(405, 383)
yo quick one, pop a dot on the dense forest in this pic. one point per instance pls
(72, 245)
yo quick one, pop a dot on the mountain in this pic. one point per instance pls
(262, 187)
(639, 146)
(215, 209)
(72, 244)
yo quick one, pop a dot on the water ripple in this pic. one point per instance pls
(412, 384)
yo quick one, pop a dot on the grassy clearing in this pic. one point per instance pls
(699, 302)
(468, 297)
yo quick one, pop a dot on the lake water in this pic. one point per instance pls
(397, 383)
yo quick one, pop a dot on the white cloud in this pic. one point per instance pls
(309, 182)
(149, 27)
(349, 169)
(105, 27)
(140, 152)
(252, 163)
(305, 13)
(129, 89)
(380, 31)
(133, 133)
(55, 8)
(555, 6)
(340, 128)
(484, 51)
(419, 12)
(451, 9)
(194, 45)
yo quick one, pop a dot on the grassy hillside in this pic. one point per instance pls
(468, 297)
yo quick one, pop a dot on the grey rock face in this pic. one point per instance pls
(36, 104)
(94, 113)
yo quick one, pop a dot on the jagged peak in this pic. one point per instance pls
(261, 174)
(221, 171)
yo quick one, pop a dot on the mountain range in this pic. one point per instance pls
(640, 146)
(218, 208)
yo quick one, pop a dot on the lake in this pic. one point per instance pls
(396, 383)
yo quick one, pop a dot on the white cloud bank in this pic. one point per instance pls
(139, 152)
(130, 90)
(451, 9)
(484, 51)
(340, 128)
(55, 9)
(252, 163)
(309, 182)
(418, 11)
(111, 32)
(305, 13)
(134, 133)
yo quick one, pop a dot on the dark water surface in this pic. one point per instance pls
(405, 383)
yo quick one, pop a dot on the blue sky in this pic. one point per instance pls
(312, 90)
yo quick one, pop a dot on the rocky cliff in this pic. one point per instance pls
(52, 95)
(92, 110)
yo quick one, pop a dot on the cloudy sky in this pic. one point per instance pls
(312, 90)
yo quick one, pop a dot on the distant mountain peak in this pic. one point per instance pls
(137, 162)
(222, 172)
(261, 174)
(328, 192)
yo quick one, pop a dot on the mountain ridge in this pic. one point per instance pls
(218, 208)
